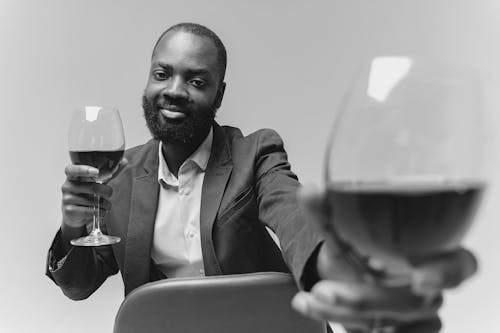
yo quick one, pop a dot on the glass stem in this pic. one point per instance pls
(97, 227)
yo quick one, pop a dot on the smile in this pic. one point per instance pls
(172, 114)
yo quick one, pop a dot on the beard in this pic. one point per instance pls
(190, 129)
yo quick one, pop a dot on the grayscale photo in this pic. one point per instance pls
(250, 166)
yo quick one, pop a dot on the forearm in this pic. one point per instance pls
(277, 188)
(81, 270)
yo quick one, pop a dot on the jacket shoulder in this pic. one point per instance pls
(141, 151)
(263, 135)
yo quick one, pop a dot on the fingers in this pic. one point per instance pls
(85, 201)
(396, 302)
(87, 173)
(356, 306)
(77, 216)
(443, 271)
(81, 172)
(79, 193)
(83, 188)
(368, 299)
(306, 304)
(78, 201)
(312, 307)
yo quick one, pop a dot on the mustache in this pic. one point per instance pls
(151, 106)
(178, 104)
(167, 101)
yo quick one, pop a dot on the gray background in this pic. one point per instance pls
(289, 62)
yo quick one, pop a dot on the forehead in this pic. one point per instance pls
(185, 48)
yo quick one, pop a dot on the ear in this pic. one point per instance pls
(220, 95)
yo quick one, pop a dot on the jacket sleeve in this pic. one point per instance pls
(277, 189)
(82, 270)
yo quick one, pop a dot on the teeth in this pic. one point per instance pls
(172, 114)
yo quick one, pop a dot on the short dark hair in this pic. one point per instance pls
(202, 31)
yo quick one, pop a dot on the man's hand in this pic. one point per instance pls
(344, 296)
(78, 193)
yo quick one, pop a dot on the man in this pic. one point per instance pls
(196, 200)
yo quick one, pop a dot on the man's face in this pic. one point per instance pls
(183, 89)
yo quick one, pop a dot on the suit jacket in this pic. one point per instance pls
(248, 185)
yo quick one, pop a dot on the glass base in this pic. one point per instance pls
(96, 238)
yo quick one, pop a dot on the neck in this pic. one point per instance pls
(176, 153)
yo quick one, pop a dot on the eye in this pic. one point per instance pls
(160, 75)
(198, 83)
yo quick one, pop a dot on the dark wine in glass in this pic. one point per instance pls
(96, 139)
(396, 223)
(106, 161)
(403, 165)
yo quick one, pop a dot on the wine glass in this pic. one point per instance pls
(403, 168)
(96, 139)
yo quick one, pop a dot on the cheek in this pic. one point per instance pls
(152, 90)
(205, 100)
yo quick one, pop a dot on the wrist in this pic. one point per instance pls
(68, 233)
(333, 264)
(311, 276)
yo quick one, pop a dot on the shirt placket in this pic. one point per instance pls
(191, 237)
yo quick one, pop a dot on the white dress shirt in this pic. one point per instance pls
(176, 246)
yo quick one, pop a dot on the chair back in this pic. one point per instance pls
(242, 303)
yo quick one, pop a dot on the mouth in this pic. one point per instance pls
(173, 113)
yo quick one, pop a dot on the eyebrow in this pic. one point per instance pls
(191, 71)
(201, 72)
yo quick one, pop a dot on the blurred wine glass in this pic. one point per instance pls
(96, 139)
(403, 165)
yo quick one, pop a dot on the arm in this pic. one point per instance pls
(277, 189)
(79, 271)
(340, 294)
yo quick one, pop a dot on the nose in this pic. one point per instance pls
(175, 88)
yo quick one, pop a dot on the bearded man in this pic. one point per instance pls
(197, 200)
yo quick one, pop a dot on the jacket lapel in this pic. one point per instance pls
(144, 204)
(216, 176)
(143, 207)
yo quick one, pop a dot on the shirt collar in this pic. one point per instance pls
(199, 157)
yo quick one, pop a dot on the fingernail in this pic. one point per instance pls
(93, 171)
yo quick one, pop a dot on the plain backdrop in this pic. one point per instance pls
(289, 63)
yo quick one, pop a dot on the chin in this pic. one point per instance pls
(184, 131)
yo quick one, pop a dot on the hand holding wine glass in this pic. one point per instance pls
(96, 144)
(346, 296)
(403, 180)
